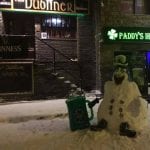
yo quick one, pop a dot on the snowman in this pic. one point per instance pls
(123, 109)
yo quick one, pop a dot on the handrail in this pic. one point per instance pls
(56, 50)
(54, 55)
(68, 58)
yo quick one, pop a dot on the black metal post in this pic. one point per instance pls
(54, 61)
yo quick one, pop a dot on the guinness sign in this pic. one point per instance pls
(14, 47)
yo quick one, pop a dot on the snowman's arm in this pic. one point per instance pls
(94, 102)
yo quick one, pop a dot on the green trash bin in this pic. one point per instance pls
(77, 111)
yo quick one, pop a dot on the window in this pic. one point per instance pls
(142, 6)
(127, 6)
(139, 6)
(135, 6)
(57, 26)
(18, 23)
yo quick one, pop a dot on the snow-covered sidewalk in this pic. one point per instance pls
(44, 125)
(26, 110)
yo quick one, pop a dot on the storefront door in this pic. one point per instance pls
(148, 69)
(138, 68)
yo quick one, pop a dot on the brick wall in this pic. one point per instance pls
(86, 50)
(45, 54)
(112, 14)
(83, 48)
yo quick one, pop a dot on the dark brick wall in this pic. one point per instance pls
(87, 53)
(113, 15)
(45, 84)
(45, 54)
(82, 48)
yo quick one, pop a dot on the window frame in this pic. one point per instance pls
(58, 27)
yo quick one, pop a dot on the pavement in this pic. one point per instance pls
(14, 112)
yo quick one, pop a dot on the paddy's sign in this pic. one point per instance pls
(126, 34)
(45, 6)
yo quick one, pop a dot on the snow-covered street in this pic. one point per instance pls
(45, 126)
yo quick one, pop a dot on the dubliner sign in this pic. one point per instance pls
(126, 34)
(45, 6)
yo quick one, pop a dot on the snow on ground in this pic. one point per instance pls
(29, 110)
(52, 132)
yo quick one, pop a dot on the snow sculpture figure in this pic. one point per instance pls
(123, 109)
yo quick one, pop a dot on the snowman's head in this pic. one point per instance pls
(119, 75)
(120, 64)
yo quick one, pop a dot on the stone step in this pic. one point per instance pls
(54, 73)
(78, 89)
(60, 77)
(67, 82)
(48, 69)
(73, 85)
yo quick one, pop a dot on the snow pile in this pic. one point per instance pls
(87, 140)
(55, 134)
(91, 140)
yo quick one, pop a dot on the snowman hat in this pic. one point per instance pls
(120, 61)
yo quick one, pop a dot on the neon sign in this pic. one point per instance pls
(126, 34)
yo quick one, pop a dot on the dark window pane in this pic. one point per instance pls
(139, 6)
(57, 26)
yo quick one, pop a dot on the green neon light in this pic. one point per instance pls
(127, 34)
(112, 34)
(42, 12)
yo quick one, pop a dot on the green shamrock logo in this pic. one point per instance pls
(112, 34)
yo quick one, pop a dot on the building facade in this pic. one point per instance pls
(45, 41)
(125, 29)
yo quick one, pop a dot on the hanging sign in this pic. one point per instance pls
(45, 6)
(126, 34)
(15, 46)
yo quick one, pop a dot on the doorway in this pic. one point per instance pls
(148, 70)
(138, 68)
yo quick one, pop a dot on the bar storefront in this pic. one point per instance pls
(134, 43)
(38, 37)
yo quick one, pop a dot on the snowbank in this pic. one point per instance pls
(54, 133)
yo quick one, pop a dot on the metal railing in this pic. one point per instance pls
(56, 51)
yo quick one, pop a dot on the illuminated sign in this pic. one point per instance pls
(45, 6)
(126, 34)
(14, 47)
(5, 3)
